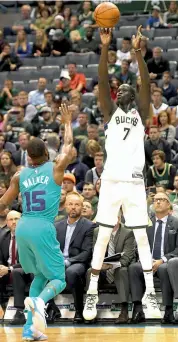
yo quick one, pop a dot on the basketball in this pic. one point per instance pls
(106, 15)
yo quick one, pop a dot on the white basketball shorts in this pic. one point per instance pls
(130, 195)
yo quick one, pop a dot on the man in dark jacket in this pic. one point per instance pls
(9, 61)
(79, 170)
(157, 65)
(61, 44)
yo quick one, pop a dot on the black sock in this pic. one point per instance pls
(138, 305)
(169, 309)
(124, 306)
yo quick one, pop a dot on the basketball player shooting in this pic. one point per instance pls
(38, 248)
(122, 181)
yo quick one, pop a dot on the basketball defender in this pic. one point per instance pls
(122, 181)
(38, 248)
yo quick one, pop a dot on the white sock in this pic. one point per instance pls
(93, 286)
(149, 282)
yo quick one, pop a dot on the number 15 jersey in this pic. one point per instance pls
(124, 147)
(40, 194)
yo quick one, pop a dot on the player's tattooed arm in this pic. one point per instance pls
(144, 92)
(11, 194)
(106, 103)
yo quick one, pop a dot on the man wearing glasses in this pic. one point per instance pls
(163, 240)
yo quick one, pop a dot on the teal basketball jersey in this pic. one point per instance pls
(40, 194)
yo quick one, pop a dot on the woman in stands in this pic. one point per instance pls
(36, 12)
(167, 131)
(45, 21)
(41, 47)
(22, 48)
(146, 52)
(171, 16)
(59, 7)
(67, 14)
(7, 166)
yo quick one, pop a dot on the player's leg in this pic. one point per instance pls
(50, 264)
(107, 216)
(136, 217)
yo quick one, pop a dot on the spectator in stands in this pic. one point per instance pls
(88, 43)
(124, 75)
(29, 109)
(157, 65)
(36, 11)
(59, 7)
(156, 143)
(20, 156)
(167, 87)
(171, 16)
(62, 214)
(44, 21)
(69, 182)
(78, 169)
(22, 48)
(6, 95)
(113, 68)
(78, 80)
(95, 173)
(173, 196)
(92, 147)
(24, 22)
(49, 98)
(93, 134)
(157, 105)
(63, 88)
(163, 237)
(41, 47)
(74, 31)
(2, 40)
(58, 25)
(124, 53)
(53, 145)
(61, 45)
(161, 173)
(67, 15)
(167, 131)
(3, 187)
(5, 145)
(146, 52)
(87, 210)
(75, 235)
(8, 254)
(121, 241)
(155, 20)
(80, 132)
(89, 194)
(3, 216)
(133, 63)
(48, 125)
(86, 17)
(98, 186)
(14, 124)
(7, 166)
(8, 60)
(114, 85)
(36, 97)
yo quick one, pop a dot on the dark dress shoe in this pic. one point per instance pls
(123, 318)
(138, 317)
(53, 313)
(19, 318)
(168, 319)
(78, 318)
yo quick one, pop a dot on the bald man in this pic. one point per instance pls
(75, 234)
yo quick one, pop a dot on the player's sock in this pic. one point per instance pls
(36, 288)
(52, 289)
(93, 286)
(145, 257)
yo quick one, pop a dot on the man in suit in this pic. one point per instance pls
(122, 241)
(20, 156)
(163, 240)
(75, 235)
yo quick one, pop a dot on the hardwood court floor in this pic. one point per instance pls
(98, 334)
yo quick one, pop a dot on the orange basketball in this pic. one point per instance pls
(106, 14)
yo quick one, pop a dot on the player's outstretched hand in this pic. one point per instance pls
(137, 39)
(106, 35)
(66, 113)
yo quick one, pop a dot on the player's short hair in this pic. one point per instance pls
(36, 148)
(159, 153)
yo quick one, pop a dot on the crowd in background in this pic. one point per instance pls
(57, 31)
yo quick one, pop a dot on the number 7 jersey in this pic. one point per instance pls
(40, 194)
(124, 145)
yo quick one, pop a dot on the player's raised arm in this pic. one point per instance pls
(144, 92)
(11, 193)
(106, 102)
(65, 157)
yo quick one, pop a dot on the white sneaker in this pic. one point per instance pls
(151, 305)
(90, 311)
(36, 306)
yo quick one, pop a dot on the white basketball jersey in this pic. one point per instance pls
(124, 147)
